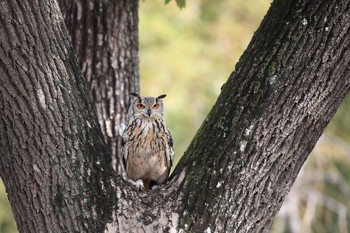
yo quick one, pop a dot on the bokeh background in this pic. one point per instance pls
(188, 54)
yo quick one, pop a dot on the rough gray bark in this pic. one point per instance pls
(269, 116)
(104, 35)
(238, 168)
(52, 157)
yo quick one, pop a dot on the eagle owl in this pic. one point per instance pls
(147, 145)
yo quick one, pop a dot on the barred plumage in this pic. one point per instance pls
(147, 143)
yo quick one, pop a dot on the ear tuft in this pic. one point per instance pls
(161, 97)
(135, 94)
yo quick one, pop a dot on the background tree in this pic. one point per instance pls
(104, 35)
(243, 190)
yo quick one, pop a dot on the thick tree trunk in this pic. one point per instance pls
(237, 170)
(52, 159)
(269, 116)
(104, 35)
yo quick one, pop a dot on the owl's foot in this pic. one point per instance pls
(156, 186)
(139, 185)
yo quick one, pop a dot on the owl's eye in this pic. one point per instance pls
(140, 106)
(155, 106)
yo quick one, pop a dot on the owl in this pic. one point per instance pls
(147, 145)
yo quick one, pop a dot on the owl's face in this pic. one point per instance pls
(146, 106)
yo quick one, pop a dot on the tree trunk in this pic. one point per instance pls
(53, 159)
(285, 89)
(104, 35)
(238, 168)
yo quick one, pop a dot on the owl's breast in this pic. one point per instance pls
(147, 149)
(150, 136)
(151, 130)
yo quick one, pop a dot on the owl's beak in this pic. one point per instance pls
(149, 111)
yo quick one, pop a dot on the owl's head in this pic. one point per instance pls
(147, 106)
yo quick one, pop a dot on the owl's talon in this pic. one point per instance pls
(156, 186)
(139, 185)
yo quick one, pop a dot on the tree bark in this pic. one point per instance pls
(52, 154)
(270, 113)
(104, 35)
(237, 170)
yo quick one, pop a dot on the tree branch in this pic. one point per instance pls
(275, 105)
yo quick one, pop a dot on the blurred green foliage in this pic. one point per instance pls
(340, 124)
(188, 54)
(7, 223)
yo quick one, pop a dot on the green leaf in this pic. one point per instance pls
(179, 3)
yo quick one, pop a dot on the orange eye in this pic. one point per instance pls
(155, 106)
(140, 106)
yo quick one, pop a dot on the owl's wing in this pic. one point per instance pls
(170, 153)
(124, 150)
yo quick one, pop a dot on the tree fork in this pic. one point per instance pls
(238, 168)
